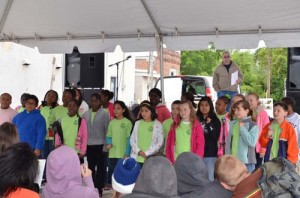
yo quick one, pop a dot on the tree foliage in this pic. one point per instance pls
(252, 64)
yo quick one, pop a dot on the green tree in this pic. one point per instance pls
(251, 82)
(199, 62)
(278, 69)
(253, 67)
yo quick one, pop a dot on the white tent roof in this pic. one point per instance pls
(55, 26)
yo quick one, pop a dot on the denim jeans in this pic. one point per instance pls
(210, 165)
(230, 93)
(250, 167)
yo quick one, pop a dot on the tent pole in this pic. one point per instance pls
(161, 62)
(5, 14)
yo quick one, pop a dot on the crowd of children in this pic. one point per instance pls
(192, 137)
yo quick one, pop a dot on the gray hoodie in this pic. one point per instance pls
(157, 179)
(192, 178)
(192, 175)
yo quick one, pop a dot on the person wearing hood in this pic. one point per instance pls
(65, 176)
(192, 178)
(161, 110)
(262, 119)
(157, 179)
(31, 125)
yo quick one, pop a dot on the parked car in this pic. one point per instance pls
(175, 86)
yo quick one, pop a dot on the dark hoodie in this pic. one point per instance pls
(157, 179)
(192, 175)
(192, 178)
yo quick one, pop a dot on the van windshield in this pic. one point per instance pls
(175, 86)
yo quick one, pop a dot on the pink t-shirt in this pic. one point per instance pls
(7, 115)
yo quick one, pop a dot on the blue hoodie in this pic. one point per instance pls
(31, 127)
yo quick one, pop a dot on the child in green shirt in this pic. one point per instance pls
(117, 137)
(147, 135)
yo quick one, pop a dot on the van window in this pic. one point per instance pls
(175, 86)
(195, 86)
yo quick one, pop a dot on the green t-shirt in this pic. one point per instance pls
(59, 112)
(92, 117)
(221, 117)
(47, 112)
(183, 138)
(235, 139)
(21, 109)
(69, 126)
(276, 134)
(118, 131)
(145, 133)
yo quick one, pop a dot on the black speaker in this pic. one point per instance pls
(292, 84)
(84, 70)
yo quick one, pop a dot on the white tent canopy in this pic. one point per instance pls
(56, 26)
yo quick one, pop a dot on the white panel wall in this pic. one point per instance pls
(16, 78)
(126, 74)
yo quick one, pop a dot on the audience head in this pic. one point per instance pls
(147, 112)
(5, 100)
(8, 135)
(230, 171)
(156, 179)
(155, 96)
(192, 174)
(18, 168)
(125, 175)
(189, 96)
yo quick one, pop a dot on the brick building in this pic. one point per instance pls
(144, 77)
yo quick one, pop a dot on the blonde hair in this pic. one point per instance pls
(229, 170)
(193, 117)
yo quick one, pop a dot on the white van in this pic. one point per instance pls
(175, 86)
